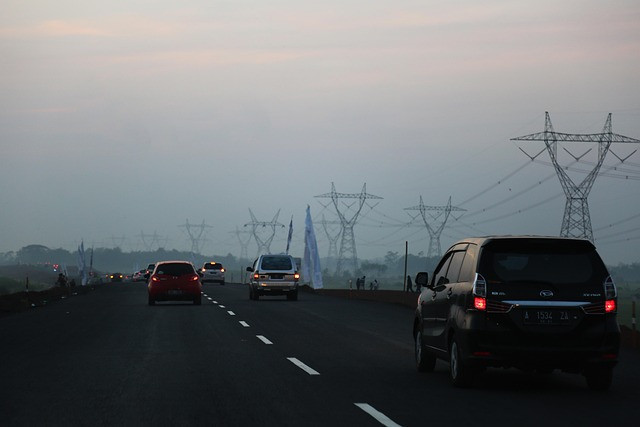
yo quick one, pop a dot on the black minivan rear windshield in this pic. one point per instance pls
(276, 263)
(541, 260)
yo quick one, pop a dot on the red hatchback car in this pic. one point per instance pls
(175, 281)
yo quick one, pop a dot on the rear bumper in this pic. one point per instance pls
(270, 288)
(489, 342)
(160, 293)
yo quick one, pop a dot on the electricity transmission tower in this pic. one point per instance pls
(333, 233)
(576, 221)
(196, 234)
(264, 244)
(149, 240)
(436, 230)
(348, 253)
(244, 244)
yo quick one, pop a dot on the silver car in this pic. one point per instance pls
(212, 272)
(273, 275)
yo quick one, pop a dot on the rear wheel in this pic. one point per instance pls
(292, 296)
(599, 377)
(460, 371)
(425, 362)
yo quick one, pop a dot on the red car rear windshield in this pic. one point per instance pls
(177, 269)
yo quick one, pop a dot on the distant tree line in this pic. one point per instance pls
(114, 259)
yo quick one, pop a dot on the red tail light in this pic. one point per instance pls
(194, 277)
(480, 303)
(222, 270)
(256, 276)
(155, 279)
(610, 306)
(296, 276)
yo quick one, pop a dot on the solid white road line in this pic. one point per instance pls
(243, 323)
(263, 339)
(231, 313)
(379, 416)
(302, 366)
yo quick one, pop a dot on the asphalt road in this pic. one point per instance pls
(107, 358)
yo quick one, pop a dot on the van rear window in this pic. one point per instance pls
(541, 260)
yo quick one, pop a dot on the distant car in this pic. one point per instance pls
(116, 277)
(213, 272)
(273, 275)
(149, 270)
(534, 303)
(175, 281)
(138, 276)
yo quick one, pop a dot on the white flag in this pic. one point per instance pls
(311, 270)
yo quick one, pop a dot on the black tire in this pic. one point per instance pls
(460, 371)
(222, 283)
(599, 377)
(151, 301)
(292, 296)
(425, 361)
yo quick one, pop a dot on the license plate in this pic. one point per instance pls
(175, 292)
(546, 317)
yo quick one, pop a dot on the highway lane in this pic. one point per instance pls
(108, 358)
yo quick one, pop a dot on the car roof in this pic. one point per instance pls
(483, 240)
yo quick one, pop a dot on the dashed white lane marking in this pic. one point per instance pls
(221, 306)
(302, 366)
(215, 302)
(209, 298)
(379, 416)
(243, 323)
(231, 313)
(263, 339)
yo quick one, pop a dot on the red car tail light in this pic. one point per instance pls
(194, 278)
(610, 306)
(155, 279)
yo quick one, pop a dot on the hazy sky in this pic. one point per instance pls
(127, 117)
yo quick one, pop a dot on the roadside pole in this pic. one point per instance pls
(633, 323)
(406, 254)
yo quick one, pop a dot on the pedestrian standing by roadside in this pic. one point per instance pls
(409, 284)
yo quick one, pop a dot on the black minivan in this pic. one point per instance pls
(529, 302)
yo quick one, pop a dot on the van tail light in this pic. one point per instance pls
(479, 293)
(222, 270)
(296, 276)
(256, 276)
(610, 306)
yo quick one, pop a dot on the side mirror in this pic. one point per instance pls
(422, 279)
(250, 269)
